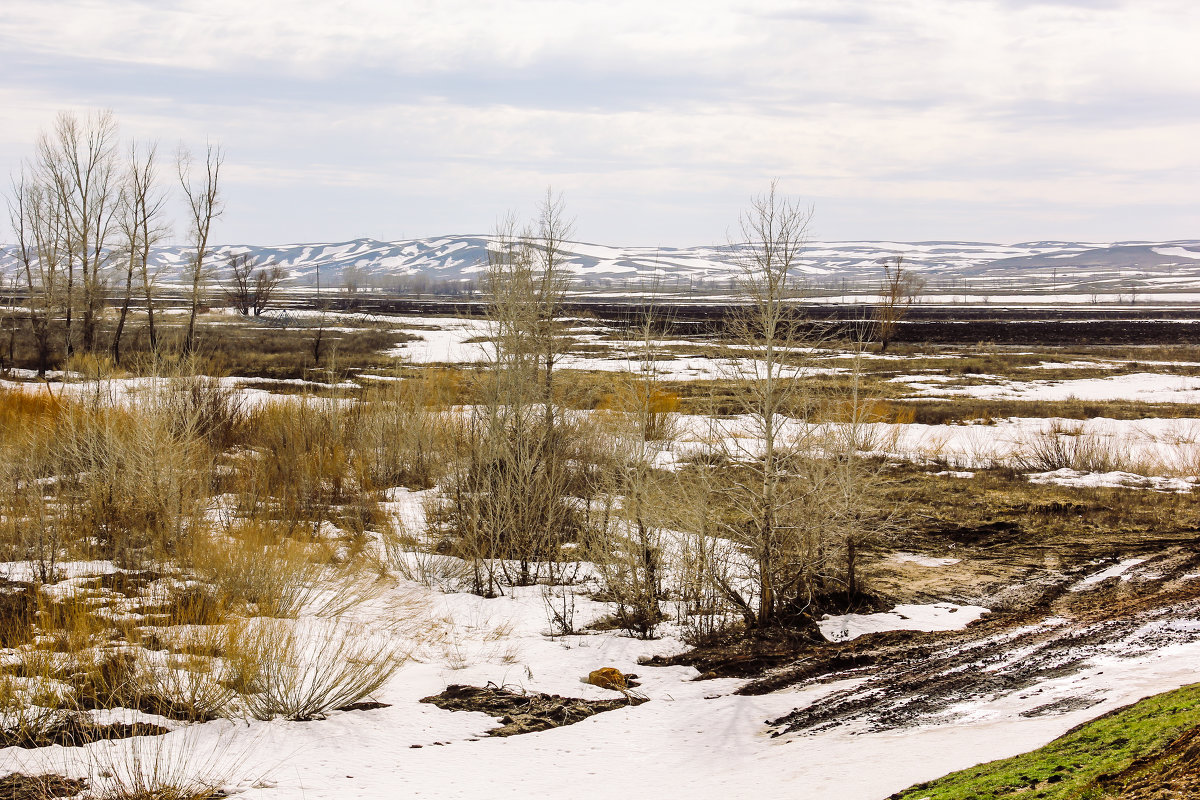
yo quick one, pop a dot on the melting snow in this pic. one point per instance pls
(923, 561)
(904, 617)
(1116, 570)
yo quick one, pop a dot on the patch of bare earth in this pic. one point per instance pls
(38, 787)
(522, 712)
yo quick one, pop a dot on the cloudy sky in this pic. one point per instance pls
(990, 120)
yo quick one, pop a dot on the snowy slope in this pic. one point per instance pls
(1061, 265)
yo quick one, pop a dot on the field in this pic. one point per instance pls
(346, 553)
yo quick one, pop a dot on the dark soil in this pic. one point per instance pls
(742, 656)
(38, 787)
(917, 678)
(76, 730)
(365, 705)
(18, 611)
(130, 584)
(932, 324)
(521, 712)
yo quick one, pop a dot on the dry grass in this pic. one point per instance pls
(304, 672)
(966, 409)
(181, 765)
(254, 568)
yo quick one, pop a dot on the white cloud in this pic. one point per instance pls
(440, 107)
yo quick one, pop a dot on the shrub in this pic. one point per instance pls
(304, 673)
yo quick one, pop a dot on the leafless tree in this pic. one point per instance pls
(143, 206)
(11, 287)
(79, 160)
(796, 498)
(204, 206)
(507, 509)
(899, 289)
(352, 279)
(323, 307)
(249, 289)
(552, 230)
(774, 232)
(37, 218)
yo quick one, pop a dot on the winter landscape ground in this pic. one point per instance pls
(271, 567)
(599, 400)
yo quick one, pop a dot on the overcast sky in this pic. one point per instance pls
(1007, 120)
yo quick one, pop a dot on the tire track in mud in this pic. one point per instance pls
(934, 678)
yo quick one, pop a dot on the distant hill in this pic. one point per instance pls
(1066, 266)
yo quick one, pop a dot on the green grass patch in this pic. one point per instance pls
(1087, 762)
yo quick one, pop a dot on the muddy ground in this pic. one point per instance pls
(1050, 617)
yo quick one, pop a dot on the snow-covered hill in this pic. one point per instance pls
(826, 265)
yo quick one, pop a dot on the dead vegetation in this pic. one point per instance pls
(524, 712)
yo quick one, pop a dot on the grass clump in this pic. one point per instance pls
(304, 674)
(1105, 758)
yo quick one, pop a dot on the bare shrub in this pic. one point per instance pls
(187, 685)
(201, 406)
(414, 557)
(1066, 445)
(701, 563)
(303, 673)
(28, 529)
(559, 602)
(403, 433)
(305, 467)
(507, 510)
(34, 704)
(181, 765)
(253, 566)
(127, 482)
(627, 546)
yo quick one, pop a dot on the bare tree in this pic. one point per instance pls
(204, 206)
(250, 290)
(507, 509)
(142, 226)
(772, 519)
(79, 159)
(11, 287)
(352, 279)
(899, 289)
(38, 221)
(266, 281)
(552, 230)
(796, 498)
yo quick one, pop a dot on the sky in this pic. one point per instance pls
(908, 120)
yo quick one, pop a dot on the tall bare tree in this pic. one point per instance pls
(771, 515)
(899, 289)
(507, 506)
(38, 222)
(142, 225)
(204, 206)
(551, 279)
(79, 160)
(11, 286)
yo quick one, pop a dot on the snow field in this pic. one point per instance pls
(694, 738)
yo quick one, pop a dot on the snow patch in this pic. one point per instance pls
(904, 617)
(923, 561)
(1116, 570)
